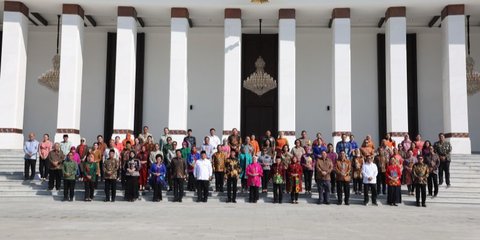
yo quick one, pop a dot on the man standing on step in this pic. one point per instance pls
(203, 174)
(178, 169)
(31, 151)
(70, 169)
(443, 149)
(55, 159)
(420, 175)
(369, 173)
(110, 171)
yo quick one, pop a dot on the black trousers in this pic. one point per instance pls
(277, 193)
(357, 185)
(55, 178)
(131, 190)
(202, 190)
(253, 196)
(432, 181)
(265, 179)
(243, 182)
(43, 168)
(333, 176)
(323, 191)
(29, 168)
(101, 170)
(68, 189)
(232, 189)
(191, 182)
(89, 189)
(444, 167)
(373, 188)
(294, 196)
(381, 183)
(110, 188)
(421, 189)
(157, 191)
(307, 174)
(343, 187)
(219, 181)
(177, 189)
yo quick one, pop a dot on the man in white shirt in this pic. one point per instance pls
(203, 174)
(369, 173)
(208, 147)
(111, 146)
(214, 140)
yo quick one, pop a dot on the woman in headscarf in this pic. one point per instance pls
(294, 172)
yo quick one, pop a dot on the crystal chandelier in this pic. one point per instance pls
(259, 1)
(50, 78)
(259, 82)
(473, 77)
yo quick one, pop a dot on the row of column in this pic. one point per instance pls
(14, 54)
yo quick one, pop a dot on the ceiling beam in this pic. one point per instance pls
(433, 21)
(380, 22)
(91, 20)
(40, 18)
(31, 20)
(141, 22)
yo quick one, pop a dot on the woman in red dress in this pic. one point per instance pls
(393, 177)
(143, 157)
(295, 176)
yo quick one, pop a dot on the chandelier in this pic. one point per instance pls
(259, 82)
(259, 1)
(473, 77)
(50, 79)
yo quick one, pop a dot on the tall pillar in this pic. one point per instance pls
(178, 94)
(125, 72)
(13, 74)
(455, 103)
(341, 74)
(71, 73)
(396, 70)
(232, 71)
(286, 73)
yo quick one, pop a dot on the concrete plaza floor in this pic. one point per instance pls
(46, 219)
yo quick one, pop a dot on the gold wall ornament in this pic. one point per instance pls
(259, 1)
(473, 77)
(260, 82)
(50, 78)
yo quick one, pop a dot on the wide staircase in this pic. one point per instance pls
(464, 190)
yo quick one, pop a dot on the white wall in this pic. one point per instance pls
(205, 62)
(41, 103)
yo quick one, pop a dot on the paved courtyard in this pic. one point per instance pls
(46, 219)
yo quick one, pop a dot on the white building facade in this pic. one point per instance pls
(328, 68)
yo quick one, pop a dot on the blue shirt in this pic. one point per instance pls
(31, 147)
(158, 169)
(343, 146)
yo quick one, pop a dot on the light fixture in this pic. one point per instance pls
(260, 82)
(473, 77)
(50, 78)
(259, 1)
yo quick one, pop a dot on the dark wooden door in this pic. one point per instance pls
(259, 113)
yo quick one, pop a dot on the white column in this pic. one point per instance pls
(13, 74)
(232, 71)
(341, 75)
(71, 73)
(178, 94)
(396, 71)
(455, 104)
(286, 73)
(125, 72)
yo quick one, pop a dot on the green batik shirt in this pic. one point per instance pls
(443, 149)
(70, 169)
(90, 169)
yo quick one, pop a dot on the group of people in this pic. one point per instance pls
(142, 164)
